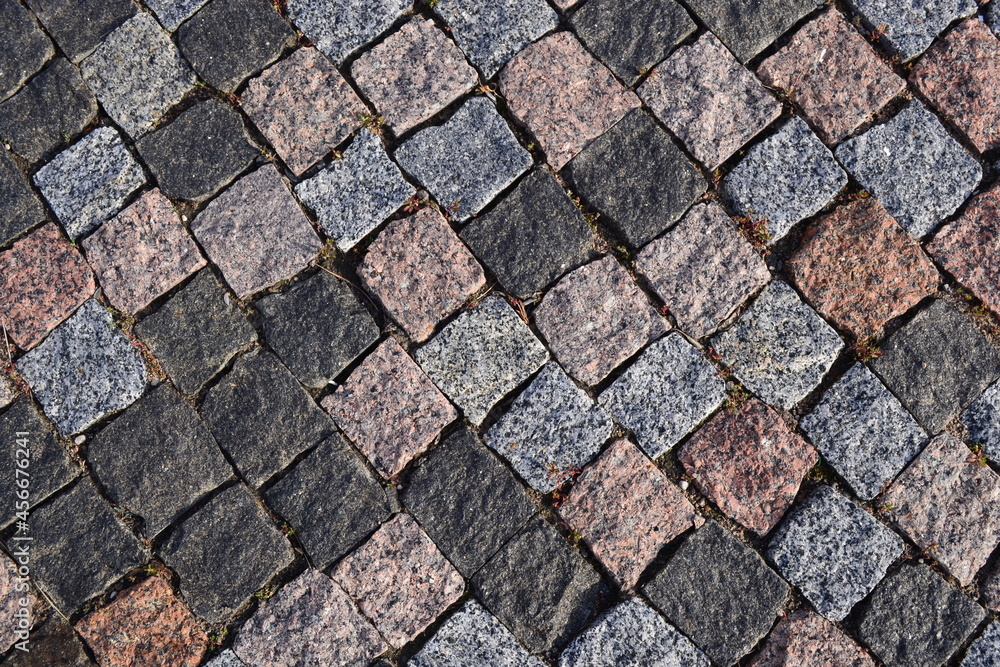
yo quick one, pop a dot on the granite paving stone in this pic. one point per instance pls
(563, 95)
(984, 651)
(982, 419)
(914, 167)
(10, 602)
(992, 17)
(665, 394)
(77, 26)
(911, 27)
(708, 100)
(20, 207)
(7, 393)
(747, 27)
(467, 161)
(171, 13)
(53, 643)
(473, 636)
(805, 639)
(25, 47)
(225, 659)
(340, 28)
(833, 551)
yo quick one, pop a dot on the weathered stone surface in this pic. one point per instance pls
(341, 28)
(990, 588)
(749, 26)
(984, 651)
(172, 13)
(78, 29)
(12, 594)
(863, 432)
(982, 419)
(833, 551)
(142, 253)
(708, 100)
(992, 17)
(551, 429)
(53, 643)
(472, 636)
(226, 659)
(25, 47)
(466, 162)
(915, 168)
(803, 639)
(665, 394)
(20, 207)
(389, 408)
(7, 393)
(912, 26)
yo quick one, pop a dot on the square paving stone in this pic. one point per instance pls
(20, 207)
(238, 231)
(982, 419)
(863, 432)
(340, 28)
(564, 96)
(665, 394)
(142, 253)
(992, 17)
(303, 107)
(627, 511)
(45, 279)
(637, 178)
(779, 348)
(950, 506)
(911, 27)
(833, 551)
(157, 459)
(467, 501)
(331, 500)
(719, 593)
(814, 65)
(90, 181)
(785, 178)
(137, 74)
(551, 428)
(260, 415)
(25, 47)
(145, 624)
(748, 27)
(85, 370)
(310, 621)
(53, 643)
(225, 552)
(805, 639)
(916, 618)
(937, 364)
(984, 651)
(532, 236)
(703, 269)
(356, 193)
(860, 269)
(317, 328)
(228, 659)
(389, 408)
(481, 356)
(54, 105)
(540, 587)
(196, 333)
(914, 167)
(172, 13)
(415, 73)
(198, 153)
(415, 583)
(421, 272)
(708, 100)
(77, 25)
(467, 161)
(749, 463)
(473, 636)
(595, 318)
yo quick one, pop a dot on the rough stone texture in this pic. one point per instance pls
(20, 207)
(239, 233)
(142, 253)
(937, 364)
(982, 419)
(467, 161)
(84, 370)
(719, 593)
(25, 47)
(780, 348)
(53, 643)
(703, 269)
(785, 178)
(915, 168)
(915, 618)
(317, 328)
(11, 592)
(803, 639)
(472, 636)
(992, 17)
(563, 95)
(595, 318)
(539, 587)
(226, 659)
(420, 271)
(43, 281)
(199, 153)
(665, 394)
(833, 551)
(984, 651)
(965, 248)
(389, 408)
(481, 356)
(157, 459)
(355, 194)
(138, 74)
(341, 28)
(304, 108)
(816, 65)
(311, 621)
(88, 182)
(708, 100)
(414, 585)
(78, 28)
(990, 587)
(627, 510)
(172, 13)
(863, 432)
(145, 624)
(749, 26)
(262, 417)
(911, 26)
(7, 393)
(552, 428)
(196, 333)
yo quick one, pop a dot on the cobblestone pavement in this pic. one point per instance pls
(500, 333)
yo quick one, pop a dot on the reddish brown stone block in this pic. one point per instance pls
(805, 639)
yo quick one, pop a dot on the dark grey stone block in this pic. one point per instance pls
(747, 27)
(24, 48)
(54, 644)
(78, 26)
(20, 207)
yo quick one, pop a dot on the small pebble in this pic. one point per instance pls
(80, 439)
(684, 485)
